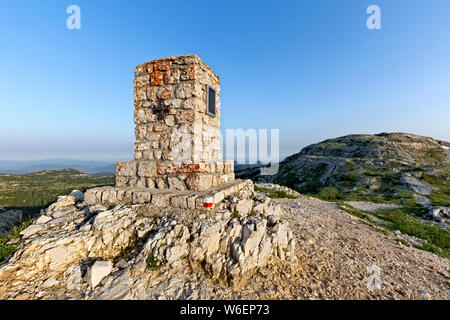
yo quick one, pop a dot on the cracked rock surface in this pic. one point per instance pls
(301, 248)
(142, 252)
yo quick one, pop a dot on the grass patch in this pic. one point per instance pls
(399, 219)
(153, 263)
(275, 194)
(330, 194)
(350, 176)
(431, 248)
(353, 211)
(8, 249)
(441, 182)
(34, 191)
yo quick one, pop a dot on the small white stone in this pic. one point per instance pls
(43, 219)
(31, 230)
(77, 194)
(99, 271)
(50, 282)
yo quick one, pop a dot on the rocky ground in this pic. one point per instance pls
(250, 247)
(339, 256)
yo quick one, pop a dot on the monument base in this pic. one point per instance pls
(164, 198)
(174, 175)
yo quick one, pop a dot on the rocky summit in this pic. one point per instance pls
(398, 168)
(253, 245)
(83, 251)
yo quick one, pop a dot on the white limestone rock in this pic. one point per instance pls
(31, 230)
(43, 219)
(99, 270)
(50, 282)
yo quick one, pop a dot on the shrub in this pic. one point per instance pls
(350, 176)
(311, 187)
(330, 194)
(153, 263)
(6, 249)
(275, 194)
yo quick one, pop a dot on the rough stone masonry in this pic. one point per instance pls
(177, 143)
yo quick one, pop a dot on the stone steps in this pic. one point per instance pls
(164, 198)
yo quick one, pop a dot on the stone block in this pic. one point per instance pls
(176, 183)
(141, 197)
(109, 196)
(146, 169)
(157, 78)
(164, 93)
(191, 202)
(199, 182)
(173, 76)
(188, 73)
(126, 168)
(179, 202)
(160, 200)
(89, 196)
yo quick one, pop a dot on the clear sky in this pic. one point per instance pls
(310, 68)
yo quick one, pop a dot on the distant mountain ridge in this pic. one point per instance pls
(85, 166)
(387, 167)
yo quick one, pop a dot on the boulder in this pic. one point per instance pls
(43, 219)
(78, 195)
(244, 207)
(63, 202)
(99, 270)
(50, 282)
(31, 230)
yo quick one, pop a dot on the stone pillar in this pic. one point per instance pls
(177, 140)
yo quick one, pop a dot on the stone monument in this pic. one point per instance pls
(177, 117)
(177, 155)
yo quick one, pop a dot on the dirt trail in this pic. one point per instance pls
(336, 250)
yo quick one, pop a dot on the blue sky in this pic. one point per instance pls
(310, 68)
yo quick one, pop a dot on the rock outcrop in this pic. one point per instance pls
(399, 168)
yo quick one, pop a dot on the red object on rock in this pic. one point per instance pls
(208, 202)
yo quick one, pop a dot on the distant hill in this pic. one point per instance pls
(386, 167)
(28, 193)
(24, 167)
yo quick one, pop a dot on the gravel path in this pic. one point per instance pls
(336, 250)
(370, 206)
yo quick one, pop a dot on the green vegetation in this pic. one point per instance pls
(351, 176)
(291, 180)
(330, 194)
(8, 249)
(438, 240)
(353, 211)
(34, 191)
(275, 194)
(153, 263)
(440, 196)
(312, 181)
(435, 154)
(400, 219)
